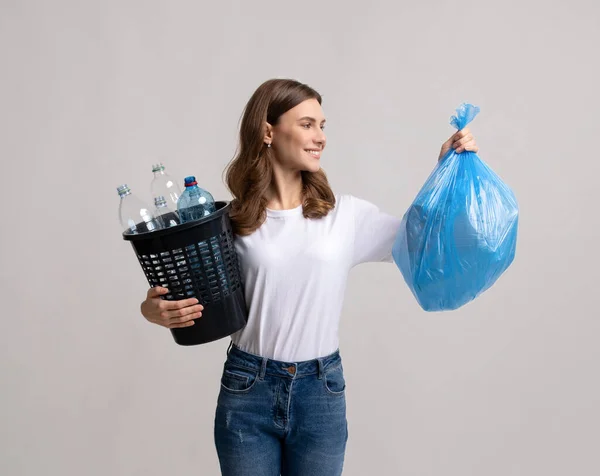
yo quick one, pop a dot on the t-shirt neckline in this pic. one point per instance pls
(285, 213)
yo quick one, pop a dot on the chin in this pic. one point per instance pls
(314, 167)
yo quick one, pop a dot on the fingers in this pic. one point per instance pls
(462, 133)
(177, 326)
(181, 314)
(179, 318)
(470, 146)
(464, 140)
(179, 304)
(177, 321)
(457, 136)
(171, 314)
(156, 291)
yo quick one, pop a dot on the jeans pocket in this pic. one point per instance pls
(238, 379)
(334, 381)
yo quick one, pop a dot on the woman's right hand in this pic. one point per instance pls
(170, 314)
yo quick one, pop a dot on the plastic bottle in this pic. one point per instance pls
(135, 216)
(168, 217)
(164, 185)
(194, 203)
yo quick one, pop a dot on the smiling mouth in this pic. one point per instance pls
(314, 153)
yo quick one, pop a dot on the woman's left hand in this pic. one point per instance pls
(460, 141)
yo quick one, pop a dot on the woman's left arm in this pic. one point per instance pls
(375, 231)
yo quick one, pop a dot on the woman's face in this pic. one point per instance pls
(298, 138)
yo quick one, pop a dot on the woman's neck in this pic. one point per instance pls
(285, 192)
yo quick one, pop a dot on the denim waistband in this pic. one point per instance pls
(265, 366)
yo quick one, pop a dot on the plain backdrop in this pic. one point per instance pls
(92, 93)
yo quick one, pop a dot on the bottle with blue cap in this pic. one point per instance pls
(194, 203)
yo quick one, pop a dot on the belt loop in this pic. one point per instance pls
(321, 368)
(263, 368)
(229, 348)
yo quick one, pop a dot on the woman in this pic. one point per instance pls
(282, 408)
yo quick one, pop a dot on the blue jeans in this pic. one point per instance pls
(283, 418)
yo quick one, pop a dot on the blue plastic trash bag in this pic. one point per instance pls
(460, 233)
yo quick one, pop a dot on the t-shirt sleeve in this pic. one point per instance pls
(374, 232)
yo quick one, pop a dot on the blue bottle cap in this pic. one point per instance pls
(191, 180)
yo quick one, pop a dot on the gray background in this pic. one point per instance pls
(93, 93)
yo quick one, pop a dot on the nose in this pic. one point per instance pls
(322, 139)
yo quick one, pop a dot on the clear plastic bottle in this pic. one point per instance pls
(194, 203)
(168, 217)
(164, 185)
(135, 216)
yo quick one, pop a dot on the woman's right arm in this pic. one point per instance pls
(170, 314)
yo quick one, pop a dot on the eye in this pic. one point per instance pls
(307, 126)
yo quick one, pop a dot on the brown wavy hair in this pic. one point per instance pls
(250, 173)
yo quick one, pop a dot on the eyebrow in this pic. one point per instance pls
(311, 119)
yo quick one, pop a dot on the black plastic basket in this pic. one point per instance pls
(197, 259)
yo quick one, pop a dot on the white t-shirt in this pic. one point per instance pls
(295, 270)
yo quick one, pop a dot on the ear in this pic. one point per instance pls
(268, 137)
